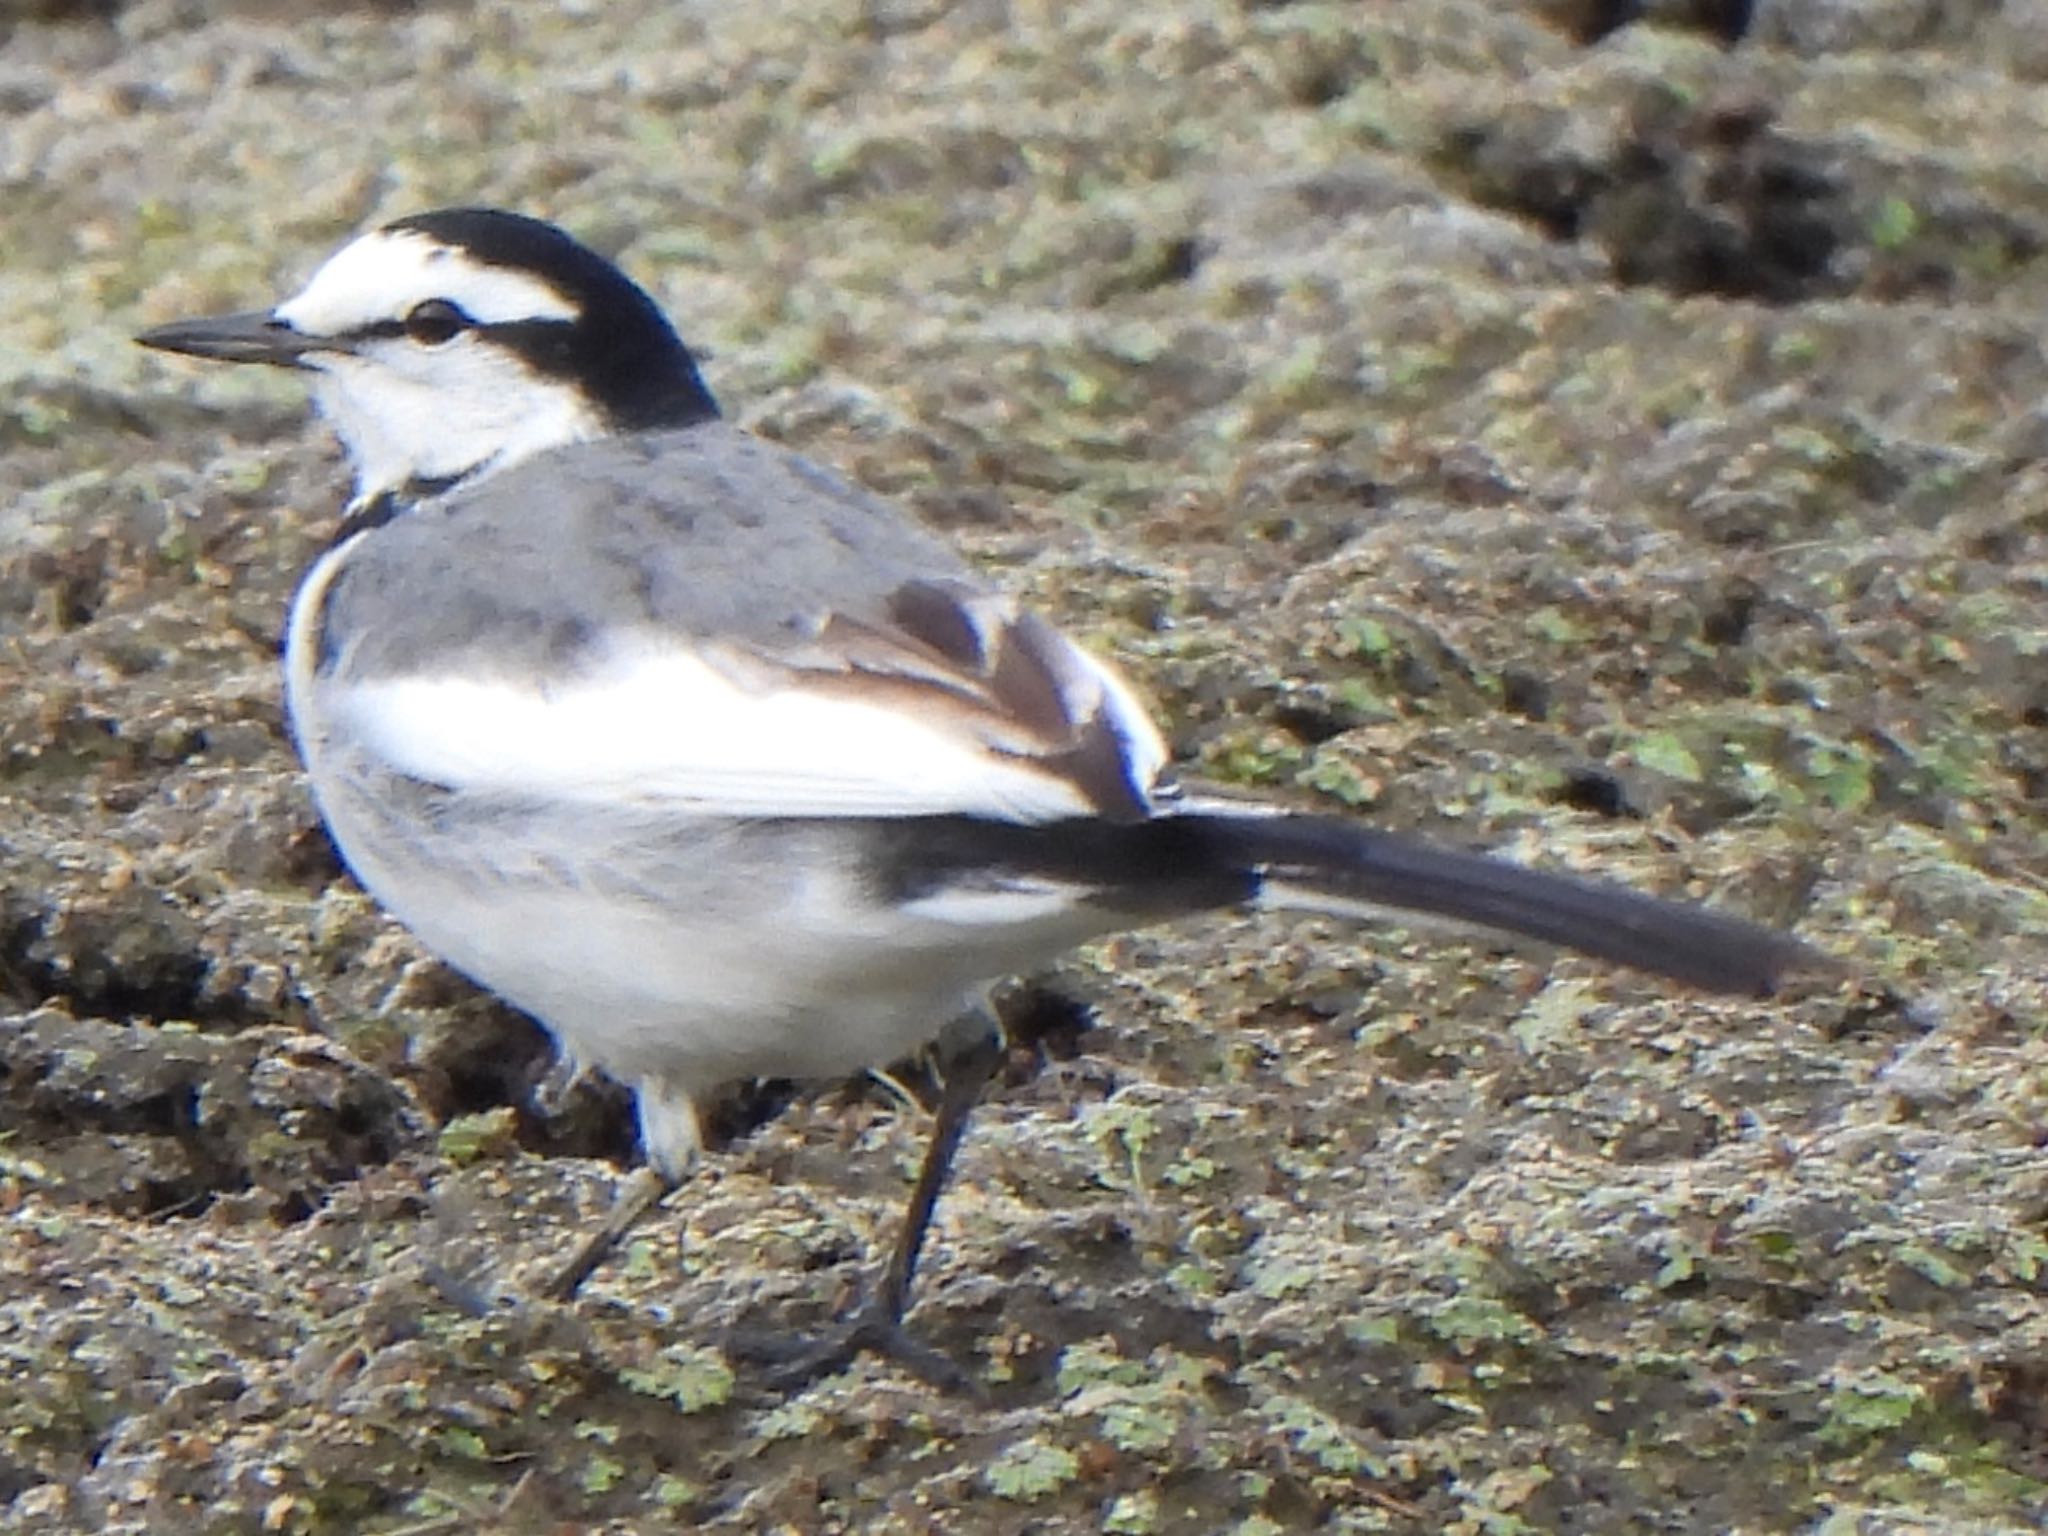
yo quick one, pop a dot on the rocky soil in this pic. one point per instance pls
(1608, 432)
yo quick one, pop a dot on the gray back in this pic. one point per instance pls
(706, 529)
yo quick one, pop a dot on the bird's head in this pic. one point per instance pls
(453, 344)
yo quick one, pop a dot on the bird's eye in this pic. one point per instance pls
(434, 322)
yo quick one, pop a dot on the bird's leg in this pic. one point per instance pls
(968, 1070)
(671, 1132)
(970, 1054)
(550, 1095)
(643, 1190)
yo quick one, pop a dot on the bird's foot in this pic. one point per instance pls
(788, 1364)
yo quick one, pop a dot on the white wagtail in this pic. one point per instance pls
(718, 765)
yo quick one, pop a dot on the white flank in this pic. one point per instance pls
(383, 275)
(669, 729)
(1010, 906)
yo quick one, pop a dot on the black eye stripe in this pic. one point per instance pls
(431, 322)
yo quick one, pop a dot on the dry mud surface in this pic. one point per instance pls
(1628, 452)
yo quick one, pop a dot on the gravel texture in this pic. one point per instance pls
(1627, 452)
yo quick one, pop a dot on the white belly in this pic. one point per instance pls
(702, 960)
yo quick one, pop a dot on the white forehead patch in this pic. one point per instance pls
(384, 274)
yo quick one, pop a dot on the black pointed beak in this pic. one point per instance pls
(255, 337)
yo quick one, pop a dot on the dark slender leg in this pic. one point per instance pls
(967, 1074)
(643, 1190)
(877, 1324)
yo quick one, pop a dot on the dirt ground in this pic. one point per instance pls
(1619, 444)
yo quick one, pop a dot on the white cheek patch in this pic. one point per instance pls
(665, 728)
(404, 411)
(382, 275)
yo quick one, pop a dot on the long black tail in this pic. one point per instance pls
(1324, 864)
(1204, 857)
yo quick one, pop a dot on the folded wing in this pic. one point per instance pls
(954, 702)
